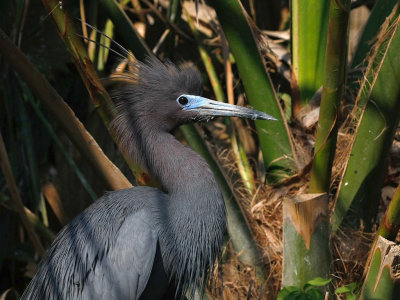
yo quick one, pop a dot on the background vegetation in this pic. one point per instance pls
(312, 200)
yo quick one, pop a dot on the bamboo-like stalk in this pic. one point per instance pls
(332, 92)
(308, 36)
(383, 279)
(63, 114)
(306, 253)
(12, 186)
(275, 141)
(389, 226)
(378, 99)
(391, 221)
(306, 223)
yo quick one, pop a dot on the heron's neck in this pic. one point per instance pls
(180, 170)
(194, 223)
(193, 219)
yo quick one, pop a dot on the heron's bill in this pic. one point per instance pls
(211, 108)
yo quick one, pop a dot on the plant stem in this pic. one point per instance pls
(309, 33)
(275, 141)
(332, 92)
(378, 99)
(391, 221)
(306, 253)
(381, 282)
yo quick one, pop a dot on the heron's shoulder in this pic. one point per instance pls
(132, 199)
(138, 193)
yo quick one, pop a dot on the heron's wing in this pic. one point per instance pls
(124, 272)
(107, 252)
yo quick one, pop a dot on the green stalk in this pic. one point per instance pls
(306, 253)
(103, 51)
(242, 161)
(309, 35)
(382, 280)
(332, 92)
(125, 28)
(306, 222)
(174, 11)
(275, 142)
(376, 111)
(391, 222)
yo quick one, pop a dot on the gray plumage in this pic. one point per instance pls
(143, 243)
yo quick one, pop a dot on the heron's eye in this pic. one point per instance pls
(182, 100)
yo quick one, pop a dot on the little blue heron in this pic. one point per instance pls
(144, 243)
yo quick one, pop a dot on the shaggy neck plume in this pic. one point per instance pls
(192, 234)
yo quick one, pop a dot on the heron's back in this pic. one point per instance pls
(93, 257)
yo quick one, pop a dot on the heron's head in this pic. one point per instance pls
(165, 96)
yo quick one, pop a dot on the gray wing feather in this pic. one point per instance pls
(124, 273)
(107, 252)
